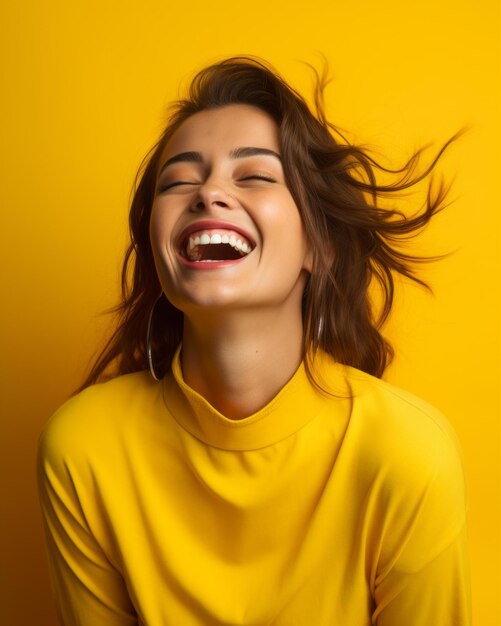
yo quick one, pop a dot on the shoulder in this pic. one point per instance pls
(399, 441)
(385, 417)
(398, 424)
(409, 448)
(96, 417)
(409, 464)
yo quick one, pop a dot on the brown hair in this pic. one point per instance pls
(356, 243)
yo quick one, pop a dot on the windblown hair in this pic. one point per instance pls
(356, 243)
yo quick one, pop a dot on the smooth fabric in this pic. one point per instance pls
(317, 510)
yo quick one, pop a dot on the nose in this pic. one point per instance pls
(213, 195)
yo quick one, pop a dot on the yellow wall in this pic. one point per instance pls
(84, 87)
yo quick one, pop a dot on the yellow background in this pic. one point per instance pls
(85, 86)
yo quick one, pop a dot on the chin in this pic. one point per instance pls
(208, 302)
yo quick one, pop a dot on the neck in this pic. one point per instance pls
(239, 363)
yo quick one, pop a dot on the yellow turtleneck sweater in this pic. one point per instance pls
(314, 511)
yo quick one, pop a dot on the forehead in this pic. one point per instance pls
(224, 128)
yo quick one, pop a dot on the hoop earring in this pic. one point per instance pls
(320, 328)
(148, 339)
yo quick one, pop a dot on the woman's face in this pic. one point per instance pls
(225, 230)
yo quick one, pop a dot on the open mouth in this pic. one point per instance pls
(215, 245)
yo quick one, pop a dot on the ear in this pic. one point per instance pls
(308, 259)
(324, 258)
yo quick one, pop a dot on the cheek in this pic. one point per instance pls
(280, 210)
(159, 228)
(158, 232)
(287, 225)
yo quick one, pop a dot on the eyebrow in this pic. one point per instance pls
(237, 153)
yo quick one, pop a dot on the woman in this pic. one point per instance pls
(245, 464)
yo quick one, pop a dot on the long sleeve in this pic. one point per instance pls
(89, 591)
(436, 595)
(424, 578)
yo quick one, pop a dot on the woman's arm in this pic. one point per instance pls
(423, 578)
(436, 595)
(89, 591)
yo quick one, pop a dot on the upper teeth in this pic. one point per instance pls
(235, 242)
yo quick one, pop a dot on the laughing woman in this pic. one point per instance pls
(234, 457)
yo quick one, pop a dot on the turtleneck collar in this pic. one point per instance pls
(293, 407)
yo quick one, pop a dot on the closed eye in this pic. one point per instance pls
(176, 183)
(259, 177)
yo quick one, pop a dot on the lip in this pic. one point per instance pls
(214, 224)
(212, 265)
(207, 225)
